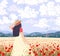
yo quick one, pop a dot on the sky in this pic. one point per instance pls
(36, 15)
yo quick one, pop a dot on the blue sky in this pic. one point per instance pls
(36, 15)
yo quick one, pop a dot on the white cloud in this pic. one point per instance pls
(51, 4)
(20, 1)
(3, 5)
(28, 13)
(4, 28)
(48, 24)
(30, 2)
(57, 0)
(1, 22)
(13, 17)
(43, 9)
(57, 8)
(5, 20)
(15, 0)
(56, 28)
(2, 11)
(43, 23)
(57, 21)
(13, 8)
(50, 9)
(42, 1)
(30, 21)
(54, 24)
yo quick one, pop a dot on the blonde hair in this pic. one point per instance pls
(17, 22)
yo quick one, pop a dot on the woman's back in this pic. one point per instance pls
(16, 30)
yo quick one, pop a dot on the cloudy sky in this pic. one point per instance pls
(36, 15)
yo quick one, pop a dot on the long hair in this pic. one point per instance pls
(17, 22)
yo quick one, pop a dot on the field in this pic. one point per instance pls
(38, 46)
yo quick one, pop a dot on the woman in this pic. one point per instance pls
(16, 27)
(20, 43)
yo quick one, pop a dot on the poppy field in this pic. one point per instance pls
(41, 47)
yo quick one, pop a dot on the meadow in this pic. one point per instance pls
(38, 46)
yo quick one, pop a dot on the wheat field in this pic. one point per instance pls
(22, 43)
(10, 40)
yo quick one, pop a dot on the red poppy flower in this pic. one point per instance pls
(40, 51)
(46, 49)
(37, 45)
(0, 52)
(34, 52)
(5, 47)
(58, 54)
(44, 54)
(29, 49)
(3, 54)
(12, 46)
(8, 50)
(29, 52)
(57, 48)
(57, 45)
(53, 49)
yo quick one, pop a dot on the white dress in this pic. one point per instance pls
(20, 48)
